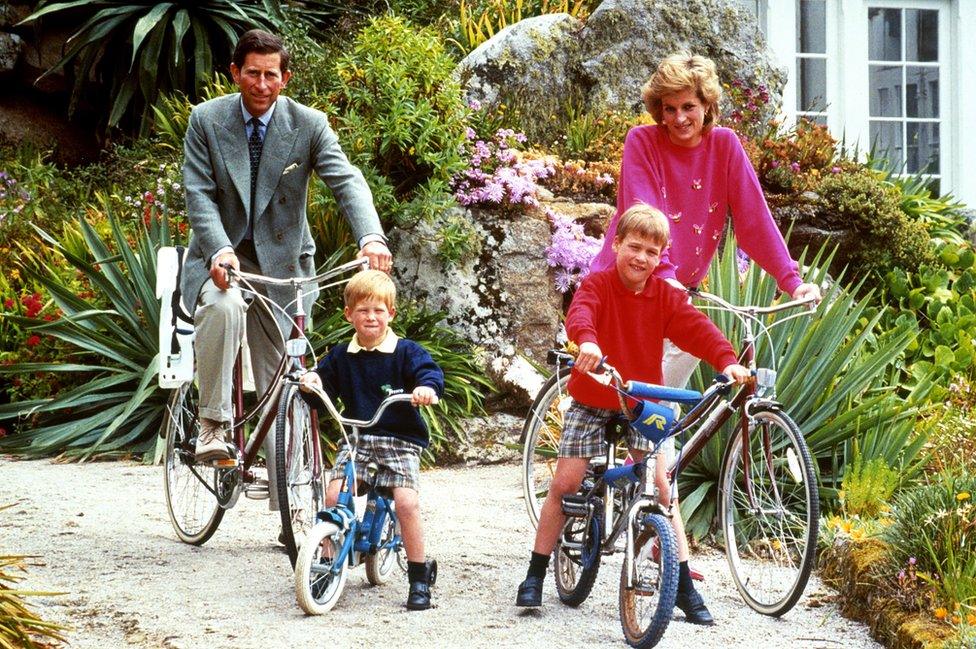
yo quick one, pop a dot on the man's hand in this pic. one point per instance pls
(217, 271)
(807, 290)
(737, 373)
(310, 380)
(589, 357)
(379, 256)
(423, 396)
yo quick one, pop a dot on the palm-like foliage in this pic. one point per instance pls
(121, 406)
(138, 49)
(836, 378)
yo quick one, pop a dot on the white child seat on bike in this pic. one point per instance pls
(175, 322)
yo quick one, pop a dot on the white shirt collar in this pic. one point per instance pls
(264, 119)
(386, 346)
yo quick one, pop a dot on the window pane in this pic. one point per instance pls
(884, 34)
(921, 92)
(923, 148)
(811, 26)
(886, 142)
(921, 35)
(884, 86)
(811, 85)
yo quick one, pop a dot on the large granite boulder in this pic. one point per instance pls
(527, 63)
(606, 62)
(503, 300)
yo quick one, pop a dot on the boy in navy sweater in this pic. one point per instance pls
(363, 372)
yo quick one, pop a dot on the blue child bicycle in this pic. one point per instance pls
(362, 527)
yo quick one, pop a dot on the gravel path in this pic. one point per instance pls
(102, 535)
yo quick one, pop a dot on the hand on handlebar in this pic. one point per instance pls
(218, 269)
(423, 396)
(589, 357)
(379, 256)
(310, 382)
(738, 373)
(807, 291)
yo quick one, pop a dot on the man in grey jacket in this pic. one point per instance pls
(248, 160)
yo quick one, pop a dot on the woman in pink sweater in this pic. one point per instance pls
(696, 173)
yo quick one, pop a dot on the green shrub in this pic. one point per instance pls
(940, 299)
(399, 115)
(882, 235)
(867, 486)
(480, 20)
(934, 528)
(21, 627)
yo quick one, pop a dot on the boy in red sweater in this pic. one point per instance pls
(625, 314)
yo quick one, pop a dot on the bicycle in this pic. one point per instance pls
(769, 506)
(359, 528)
(198, 494)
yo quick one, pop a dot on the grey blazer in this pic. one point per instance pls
(217, 180)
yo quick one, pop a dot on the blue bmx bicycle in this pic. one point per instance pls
(362, 527)
(768, 497)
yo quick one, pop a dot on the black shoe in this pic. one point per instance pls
(694, 608)
(530, 593)
(419, 597)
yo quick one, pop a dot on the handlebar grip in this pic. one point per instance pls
(652, 391)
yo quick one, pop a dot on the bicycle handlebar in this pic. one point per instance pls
(297, 281)
(751, 310)
(359, 423)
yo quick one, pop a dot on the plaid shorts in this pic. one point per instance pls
(398, 460)
(584, 432)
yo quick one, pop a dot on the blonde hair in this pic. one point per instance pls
(370, 285)
(680, 72)
(644, 221)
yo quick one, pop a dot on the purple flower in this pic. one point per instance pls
(469, 133)
(835, 169)
(795, 166)
(474, 104)
(912, 561)
(741, 260)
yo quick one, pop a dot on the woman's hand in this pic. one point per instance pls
(737, 373)
(807, 290)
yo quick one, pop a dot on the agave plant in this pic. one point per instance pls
(835, 378)
(121, 406)
(141, 48)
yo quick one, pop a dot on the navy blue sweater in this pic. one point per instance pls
(362, 380)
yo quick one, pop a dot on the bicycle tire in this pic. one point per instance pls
(771, 547)
(190, 488)
(576, 573)
(379, 565)
(540, 442)
(301, 494)
(317, 588)
(655, 584)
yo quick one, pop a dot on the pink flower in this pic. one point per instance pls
(33, 340)
(8, 303)
(835, 170)
(795, 166)
(149, 198)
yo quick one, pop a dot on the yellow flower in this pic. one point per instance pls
(955, 619)
(15, 274)
(940, 613)
(962, 495)
(971, 619)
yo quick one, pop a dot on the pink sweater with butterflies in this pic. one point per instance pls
(695, 187)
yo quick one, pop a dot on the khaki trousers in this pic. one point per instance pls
(221, 319)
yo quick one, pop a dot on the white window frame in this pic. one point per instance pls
(847, 77)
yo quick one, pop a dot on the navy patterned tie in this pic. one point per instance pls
(254, 146)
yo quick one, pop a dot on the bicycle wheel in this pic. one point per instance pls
(317, 587)
(301, 492)
(380, 564)
(540, 442)
(578, 559)
(769, 512)
(190, 487)
(645, 608)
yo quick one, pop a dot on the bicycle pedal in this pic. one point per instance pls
(228, 463)
(575, 506)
